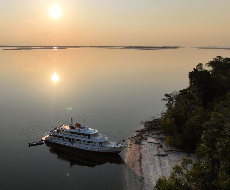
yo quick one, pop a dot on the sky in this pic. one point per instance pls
(115, 22)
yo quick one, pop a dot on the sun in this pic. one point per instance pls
(55, 11)
(55, 77)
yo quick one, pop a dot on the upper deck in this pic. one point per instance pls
(77, 130)
(85, 130)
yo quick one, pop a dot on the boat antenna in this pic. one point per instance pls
(83, 120)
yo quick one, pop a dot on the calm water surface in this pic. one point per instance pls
(111, 90)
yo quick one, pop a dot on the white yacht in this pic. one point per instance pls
(84, 138)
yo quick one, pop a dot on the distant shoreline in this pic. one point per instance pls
(74, 47)
(108, 47)
(226, 48)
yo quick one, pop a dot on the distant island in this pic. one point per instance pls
(213, 47)
(74, 47)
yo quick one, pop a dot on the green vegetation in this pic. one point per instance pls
(198, 119)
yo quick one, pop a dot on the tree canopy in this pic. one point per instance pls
(198, 119)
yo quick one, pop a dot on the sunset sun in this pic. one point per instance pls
(55, 11)
(55, 77)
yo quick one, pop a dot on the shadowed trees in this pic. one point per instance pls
(198, 119)
(201, 85)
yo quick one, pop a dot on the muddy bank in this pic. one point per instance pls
(148, 157)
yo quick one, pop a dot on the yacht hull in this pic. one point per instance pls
(104, 150)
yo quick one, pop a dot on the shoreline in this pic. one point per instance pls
(148, 158)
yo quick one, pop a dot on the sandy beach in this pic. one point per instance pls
(148, 158)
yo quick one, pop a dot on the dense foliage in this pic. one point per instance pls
(198, 119)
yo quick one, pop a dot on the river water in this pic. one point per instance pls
(111, 90)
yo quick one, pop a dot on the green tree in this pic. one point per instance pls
(220, 72)
(179, 179)
(198, 118)
(170, 99)
(201, 85)
(214, 149)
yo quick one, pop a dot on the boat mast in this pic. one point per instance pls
(83, 120)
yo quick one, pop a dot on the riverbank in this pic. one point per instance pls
(148, 158)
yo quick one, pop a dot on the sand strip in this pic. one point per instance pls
(148, 158)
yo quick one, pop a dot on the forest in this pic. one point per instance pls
(197, 119)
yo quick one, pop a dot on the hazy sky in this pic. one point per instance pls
(116, 22)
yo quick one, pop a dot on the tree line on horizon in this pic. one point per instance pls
(197, 120)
